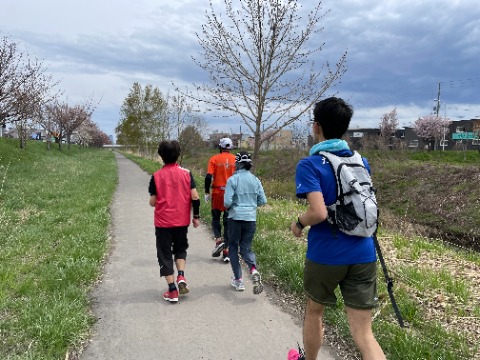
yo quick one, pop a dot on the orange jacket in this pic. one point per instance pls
(221, 167)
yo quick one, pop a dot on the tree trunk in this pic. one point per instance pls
(22, 135)
(256, 145)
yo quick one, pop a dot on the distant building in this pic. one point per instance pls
(214, 138)
(460, 133)
(357, 137)
(274, 140)
(465, 133)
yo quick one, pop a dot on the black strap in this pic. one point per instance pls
(389, 282)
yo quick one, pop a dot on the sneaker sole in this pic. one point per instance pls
(226, 260)
(216, 252)
(174, 300)
(182, 288)
(257, 283)
(258, 289)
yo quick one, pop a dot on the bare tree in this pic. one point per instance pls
(24, 85)
(78, 115)
(12, 75)
(60, 118)
(58, 113)
(179, 112)
(300, 132)
(260, 64)
(43, 117)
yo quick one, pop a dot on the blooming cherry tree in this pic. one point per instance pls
(431, 128)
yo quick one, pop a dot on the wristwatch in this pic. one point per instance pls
(299, 224)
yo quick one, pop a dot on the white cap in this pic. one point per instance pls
(225, 143)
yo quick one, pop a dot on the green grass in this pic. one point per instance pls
(54, 222)
(54, 235)
(281, 258)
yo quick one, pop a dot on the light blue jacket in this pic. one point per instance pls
(243, 194)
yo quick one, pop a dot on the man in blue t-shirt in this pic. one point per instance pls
(333, 258)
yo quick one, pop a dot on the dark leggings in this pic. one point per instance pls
(217, 227)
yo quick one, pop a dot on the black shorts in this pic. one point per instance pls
(358, 284)
(172, 244)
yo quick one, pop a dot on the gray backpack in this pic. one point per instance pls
(355, 212)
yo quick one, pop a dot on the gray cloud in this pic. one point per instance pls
(397, 51)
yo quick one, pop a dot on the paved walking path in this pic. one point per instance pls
(212, 322)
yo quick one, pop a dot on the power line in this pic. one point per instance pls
(421, 90)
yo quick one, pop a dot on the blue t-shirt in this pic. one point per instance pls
(326, 244)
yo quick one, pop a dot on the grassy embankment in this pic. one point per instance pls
(54, 218)
(54, 235)
(436, 285)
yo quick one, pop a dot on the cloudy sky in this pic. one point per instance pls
(398, 52)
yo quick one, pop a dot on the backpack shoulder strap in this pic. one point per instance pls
(338, 163)
(334, 162)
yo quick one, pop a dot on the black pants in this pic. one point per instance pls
(172, 244)
(217, 227)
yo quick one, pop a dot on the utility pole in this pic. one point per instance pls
(437, 110)
(445, 119)
(438, 99)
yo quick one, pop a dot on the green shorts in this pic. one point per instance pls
(358, 284)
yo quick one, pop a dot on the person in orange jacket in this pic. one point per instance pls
(220, 167)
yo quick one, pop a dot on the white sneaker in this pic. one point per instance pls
(257, 282)
(238, 284)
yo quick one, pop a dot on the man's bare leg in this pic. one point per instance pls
(313, 329)
(360, 322)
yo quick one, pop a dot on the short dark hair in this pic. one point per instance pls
(333, 115)
(169, 151)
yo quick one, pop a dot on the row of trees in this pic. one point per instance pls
(147, 117)
(29, 96)
(261, 60)
(260, 57)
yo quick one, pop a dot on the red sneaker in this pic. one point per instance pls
(225, 256)
(182, 285)
(171, 296)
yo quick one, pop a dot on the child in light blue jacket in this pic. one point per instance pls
(243, 194)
